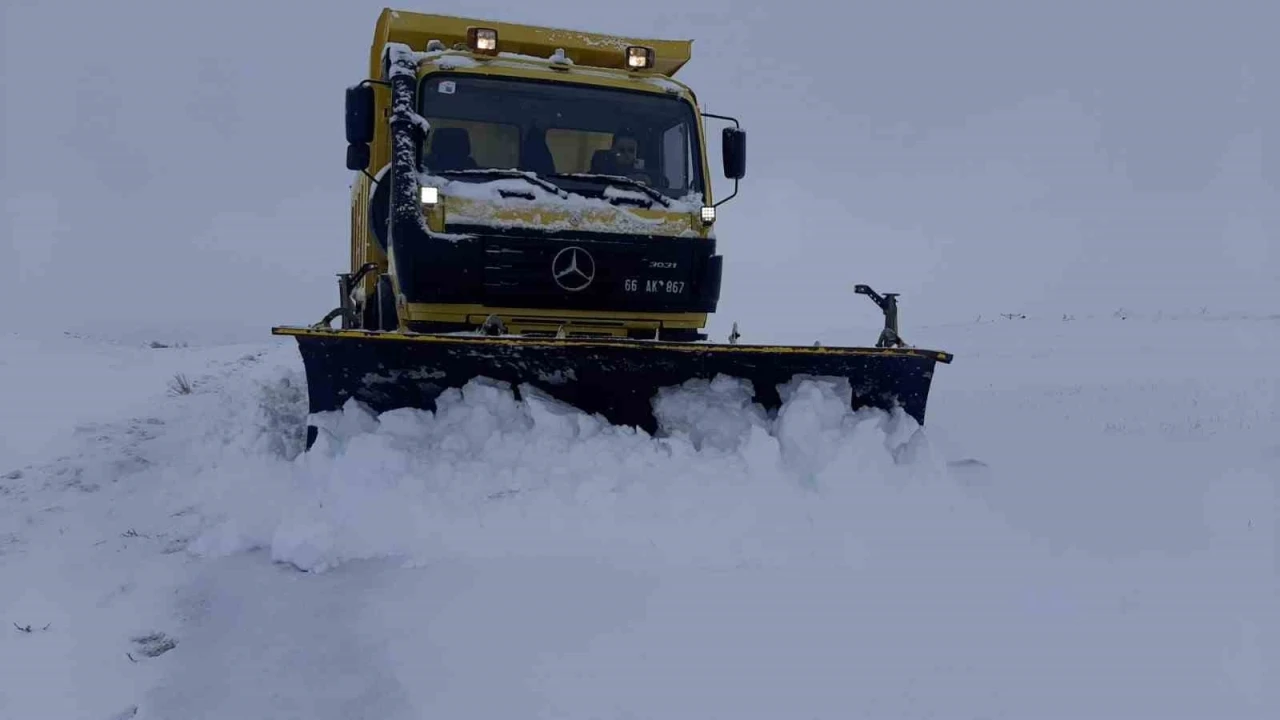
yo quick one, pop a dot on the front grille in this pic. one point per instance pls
(657, 274)
(626, 273)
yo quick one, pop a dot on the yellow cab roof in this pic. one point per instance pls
(585, 49)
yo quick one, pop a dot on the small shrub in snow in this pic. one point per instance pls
(180, 385)
(155, 644)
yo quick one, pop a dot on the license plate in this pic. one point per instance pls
(653, 286)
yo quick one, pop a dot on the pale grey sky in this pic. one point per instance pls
(978, 157)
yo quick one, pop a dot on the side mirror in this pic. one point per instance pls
(360, 114)
(357, 156)
(734, 145)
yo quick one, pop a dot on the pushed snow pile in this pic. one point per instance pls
(773, 558)
(490, 473)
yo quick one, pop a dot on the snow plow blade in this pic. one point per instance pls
(616, 378)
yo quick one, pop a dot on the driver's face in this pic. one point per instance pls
(625, 150)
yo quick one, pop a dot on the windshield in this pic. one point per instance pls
(553, 129)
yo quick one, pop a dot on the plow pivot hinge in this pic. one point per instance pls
(888, 304)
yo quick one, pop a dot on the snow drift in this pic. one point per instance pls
(489, 475)
(1089, 556)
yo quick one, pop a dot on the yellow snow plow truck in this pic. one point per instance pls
(534, 205)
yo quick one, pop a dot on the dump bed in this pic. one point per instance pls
(583, 48)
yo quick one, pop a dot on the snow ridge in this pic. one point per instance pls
(488, 475)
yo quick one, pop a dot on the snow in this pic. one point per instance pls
(402, 58)
(1087, 527)
(532, 62)
(557, 62)
(670, 86)
(559, 58)
(614, 192)
(497, 201)
(418, 121)
(598, 40)
(455, 61)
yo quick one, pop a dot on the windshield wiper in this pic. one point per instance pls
(506, 173)
(619, 179)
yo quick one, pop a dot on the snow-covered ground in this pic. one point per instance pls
(1086, 528)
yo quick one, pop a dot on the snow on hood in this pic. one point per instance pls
(516, 203)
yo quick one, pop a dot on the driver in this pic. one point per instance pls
(623, 158)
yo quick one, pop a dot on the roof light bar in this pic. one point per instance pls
(639, 57)
(483, 41)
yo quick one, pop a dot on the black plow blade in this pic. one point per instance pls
(616, 378)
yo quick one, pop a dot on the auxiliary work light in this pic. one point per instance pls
(431, 195)
(639, 57)
(483, 40)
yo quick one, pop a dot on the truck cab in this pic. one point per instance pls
(530, 181)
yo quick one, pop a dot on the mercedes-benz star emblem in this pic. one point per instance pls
(573, 269)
